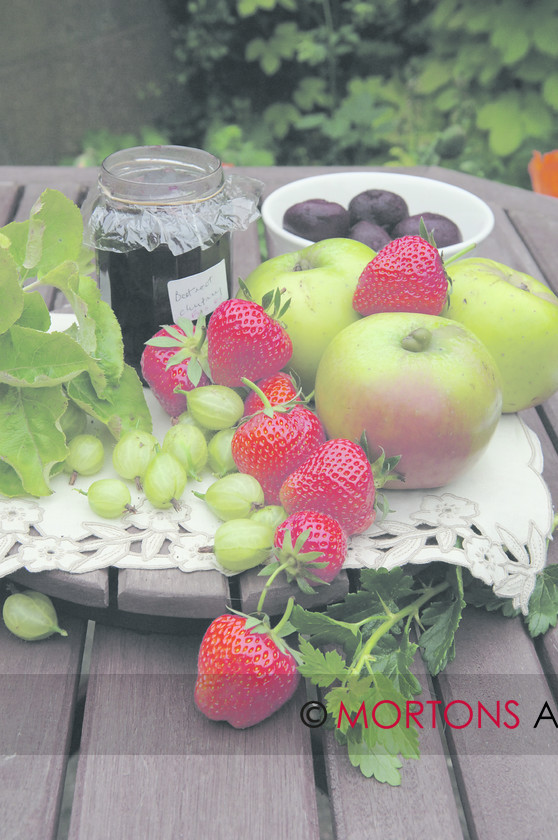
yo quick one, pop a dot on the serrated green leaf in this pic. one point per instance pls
(30, 440)
(437, 642)
(11, 293)
(543, 603)
(393, 657)
(375, 763)
(122, 408)
(311, 92)
(478, 594)
(30, 358)
(363, 711)
(323, 630)
(321, 668)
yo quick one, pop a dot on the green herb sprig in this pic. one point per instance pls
(360, 652)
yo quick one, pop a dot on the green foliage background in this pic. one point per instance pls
(469, 85)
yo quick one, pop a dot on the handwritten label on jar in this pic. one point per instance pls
(198, 294)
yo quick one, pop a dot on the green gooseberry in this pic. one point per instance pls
(215, 406)
(234, 496)
(219, 453)
(271, 515)
(164, 481)
(132, 453)
(187, 443)
(86, 455)
(31, 616)
(109, 497)
(241, 544)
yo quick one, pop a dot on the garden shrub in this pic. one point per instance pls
(468, 84)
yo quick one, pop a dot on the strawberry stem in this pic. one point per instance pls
(268, 583)
(285, 617)
(267, 407)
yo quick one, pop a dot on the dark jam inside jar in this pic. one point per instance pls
(161, 239)
(148, 289)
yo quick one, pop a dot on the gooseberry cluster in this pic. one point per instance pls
(198, 438)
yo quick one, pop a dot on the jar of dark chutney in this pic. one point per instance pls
(160, 221)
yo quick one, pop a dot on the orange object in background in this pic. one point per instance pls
(543, 171)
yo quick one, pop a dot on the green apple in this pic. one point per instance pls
(420, 386)
(320, 281)
(516, 317)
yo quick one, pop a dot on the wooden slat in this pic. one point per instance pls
(540, 234)
(8, 201)
(151, 765)
(507, 777)
(251, 585)
(171, 592)
(90, 589)
(38, 683)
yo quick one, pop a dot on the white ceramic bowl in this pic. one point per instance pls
(471, 214)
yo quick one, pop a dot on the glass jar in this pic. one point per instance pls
(160, 222)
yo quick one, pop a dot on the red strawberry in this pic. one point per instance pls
(336, 479)
(406, 275)
(279, 388)
(175, 358)
(312, 546)
(245, 671)
(270, 445)
(244, 341)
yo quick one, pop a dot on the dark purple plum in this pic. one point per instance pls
(382, 207)
(444, 231)
(372, 235)
(317, 219)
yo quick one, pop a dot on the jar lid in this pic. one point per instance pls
(161, 174)
(176, 196)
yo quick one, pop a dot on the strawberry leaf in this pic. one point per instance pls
(322, 669)
(194, 371)
(186, 325)
(543, 603)
(176, 334)
(442, 617)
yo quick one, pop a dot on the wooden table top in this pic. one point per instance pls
(151, 766)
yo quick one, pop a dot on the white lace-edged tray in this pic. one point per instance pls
(495, 520)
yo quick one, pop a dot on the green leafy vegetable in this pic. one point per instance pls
(41, 371)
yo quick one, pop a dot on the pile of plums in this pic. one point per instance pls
(374, 217)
